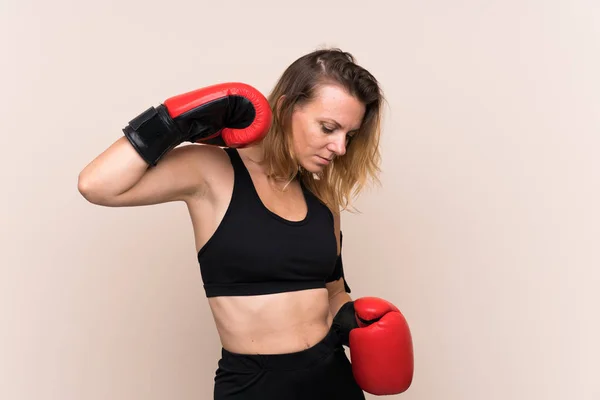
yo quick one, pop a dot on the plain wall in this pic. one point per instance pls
(484, 232)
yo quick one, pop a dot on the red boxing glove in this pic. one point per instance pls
(227, 114)
(381, 348)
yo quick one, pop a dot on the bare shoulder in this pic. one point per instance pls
(214, 166)
(202, 155)
(205, 161)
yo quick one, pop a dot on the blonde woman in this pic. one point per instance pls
(264, 180)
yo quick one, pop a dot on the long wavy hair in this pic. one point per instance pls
(346, 176)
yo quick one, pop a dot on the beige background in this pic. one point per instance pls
(485, 231)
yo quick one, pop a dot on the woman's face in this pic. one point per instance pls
(321, 128)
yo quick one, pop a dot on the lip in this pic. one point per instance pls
(323, 160)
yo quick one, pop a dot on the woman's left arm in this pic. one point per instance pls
(338, 289)
(337, 295)
(381, 348)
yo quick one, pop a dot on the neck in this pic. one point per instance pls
(254, 154)
(254, 157)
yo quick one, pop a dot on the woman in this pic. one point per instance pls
(264, 192)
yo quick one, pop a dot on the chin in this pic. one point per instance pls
(312, 167)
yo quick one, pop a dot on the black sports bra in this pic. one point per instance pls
(255, 251)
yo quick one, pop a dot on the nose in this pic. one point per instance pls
(337, 145)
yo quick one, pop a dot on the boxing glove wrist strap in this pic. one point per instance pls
(153, 133)
(344, 321)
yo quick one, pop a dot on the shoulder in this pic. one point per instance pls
(204, 154)
(207, 158)
(206, 164)
(194, 154)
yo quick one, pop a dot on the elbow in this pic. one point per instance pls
(83, 185)
(88, 190)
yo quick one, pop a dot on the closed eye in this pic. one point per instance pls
(326, 129)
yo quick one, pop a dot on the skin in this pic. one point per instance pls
(322, 128)
(202, 178)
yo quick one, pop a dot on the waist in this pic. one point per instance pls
(294, 360)
(275, 323)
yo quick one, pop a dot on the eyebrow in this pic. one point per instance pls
(340, 125)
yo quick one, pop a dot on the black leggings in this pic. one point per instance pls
(320, 372)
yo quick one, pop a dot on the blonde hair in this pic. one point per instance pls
(345, 177)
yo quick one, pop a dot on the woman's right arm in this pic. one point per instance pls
(146, 167)
(119, 177)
